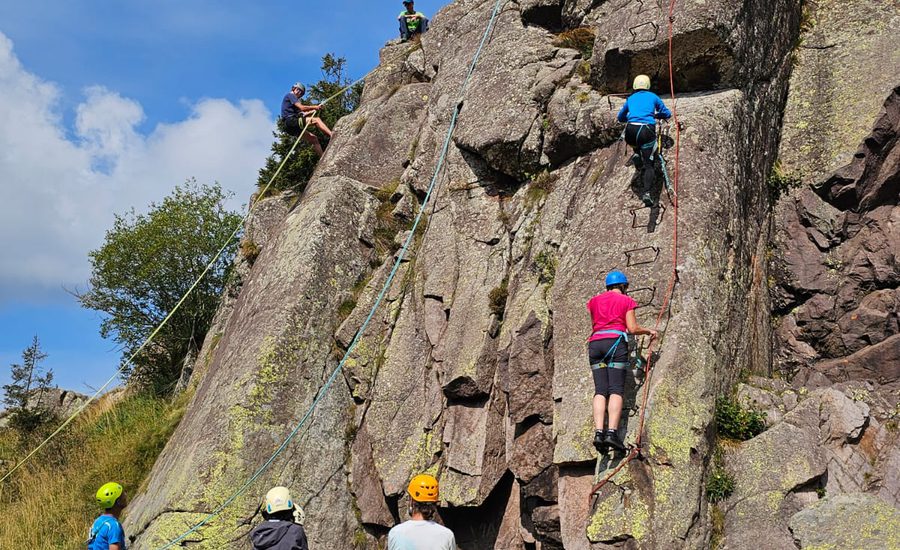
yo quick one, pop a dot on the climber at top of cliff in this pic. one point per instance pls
(294, 113)
(412, 22)
(282, 528)
(106, 533)
(613, 320)
(641, 111)
(420, 532)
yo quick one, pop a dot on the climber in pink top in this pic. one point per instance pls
(612, 315)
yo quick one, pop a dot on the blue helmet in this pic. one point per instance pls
(616, 278)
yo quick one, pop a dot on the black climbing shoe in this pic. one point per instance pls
(648, 200)
(636, 161)
(599, 442)
(612, 441)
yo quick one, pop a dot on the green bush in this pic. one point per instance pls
(720, 485)
(736, 422)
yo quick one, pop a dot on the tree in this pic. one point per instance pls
(147, 263)
(23, 395)
(299, 169)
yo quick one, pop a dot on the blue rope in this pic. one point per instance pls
(384, 290)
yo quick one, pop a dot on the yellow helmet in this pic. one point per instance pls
(423, 488)
(109, 494)
(278, 499)
(641, 82)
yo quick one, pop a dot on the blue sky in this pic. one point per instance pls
(106, 105)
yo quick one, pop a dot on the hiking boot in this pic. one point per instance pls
(636, 161)
(648, 200)
(612, 440)
(599, 442)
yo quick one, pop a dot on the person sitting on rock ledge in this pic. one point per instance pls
(294, 113)
(283, 525)
(420, 532)
(613, 320)
(640, 112)
(412, 22)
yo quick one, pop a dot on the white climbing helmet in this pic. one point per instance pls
(641, 82)
(278, 499)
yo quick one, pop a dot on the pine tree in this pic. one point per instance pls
(24, 394)
(299, 168)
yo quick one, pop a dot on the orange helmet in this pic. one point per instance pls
(423, 488)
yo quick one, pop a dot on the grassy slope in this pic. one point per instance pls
(49, 503)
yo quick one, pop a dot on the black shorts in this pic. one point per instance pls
(292, 126)
(608, 381)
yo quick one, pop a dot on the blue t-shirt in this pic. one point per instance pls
(643, 107)
(106, 530)
(288, 109)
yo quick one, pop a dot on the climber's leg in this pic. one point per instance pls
(616, 389)
(601, 390)
(647, 141)
(314, 141)
(320, 124)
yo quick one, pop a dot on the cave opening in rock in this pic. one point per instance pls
(478, 527)
(546, 16)
(701, 61)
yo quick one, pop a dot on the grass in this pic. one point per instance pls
(736, 422)
(545, 264)
(541, 186)
(387, 226)
(717, 527)
(497, 298)
(781, 182)
(581, 39)
(584, 70)
(49, 503)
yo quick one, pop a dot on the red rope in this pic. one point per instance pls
(673, 277)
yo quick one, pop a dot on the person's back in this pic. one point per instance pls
(643, 107)
(421, 535)
(277, 534)
(608, 311)
(105, 531)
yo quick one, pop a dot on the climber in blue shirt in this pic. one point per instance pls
(106, 533)
(641, 110)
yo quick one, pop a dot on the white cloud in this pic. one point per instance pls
(59, 190)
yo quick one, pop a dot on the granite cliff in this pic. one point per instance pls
(473, 368)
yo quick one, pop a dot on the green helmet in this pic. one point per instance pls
(109, 494)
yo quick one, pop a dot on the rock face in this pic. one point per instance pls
(474, 368)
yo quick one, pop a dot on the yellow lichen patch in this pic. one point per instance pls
(613, 519)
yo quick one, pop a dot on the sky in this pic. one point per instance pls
(107, 105)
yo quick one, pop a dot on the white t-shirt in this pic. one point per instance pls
(421, 535)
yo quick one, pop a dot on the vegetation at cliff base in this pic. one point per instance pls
(49, 502)
(144, 267)
(299, 168)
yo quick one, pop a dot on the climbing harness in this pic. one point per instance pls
(603, 363)
(635, 450)
(401, 257)
(238, 227)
